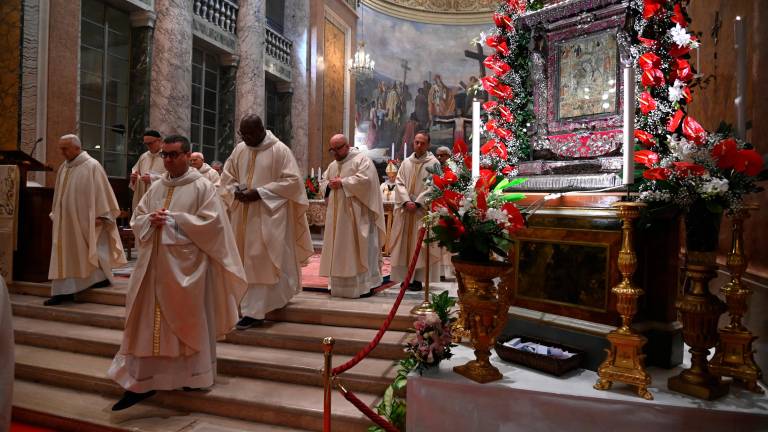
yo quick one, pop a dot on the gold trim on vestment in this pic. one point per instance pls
(158, 311)
(244, 222)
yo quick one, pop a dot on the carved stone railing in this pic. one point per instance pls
(220, 13)
(277, 50)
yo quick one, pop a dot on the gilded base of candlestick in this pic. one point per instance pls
(423, 309)
(699, 312)
(625, 363)
(486, 307)
(734, 358)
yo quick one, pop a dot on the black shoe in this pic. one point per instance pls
(248, 322)
(414, 286)
(191, 389)
(103, 284)
(130, 399)
(59, 299)
(368, 294)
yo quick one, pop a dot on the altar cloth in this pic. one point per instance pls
(531, 401)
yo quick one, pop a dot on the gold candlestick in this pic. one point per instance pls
(734, 356)
(625, 361)
(426, 306)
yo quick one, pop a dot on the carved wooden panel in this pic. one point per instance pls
(334, 63)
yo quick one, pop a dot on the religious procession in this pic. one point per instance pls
(226, 216)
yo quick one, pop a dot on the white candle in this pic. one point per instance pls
(405, 150)
(312, 173)
(476, 139)
(740, 45)
(629, 125)
(319, 173)
(392, 152)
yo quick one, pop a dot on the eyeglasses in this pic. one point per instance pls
(337, 149)
(171, 155)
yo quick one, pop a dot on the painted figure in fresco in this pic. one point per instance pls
(422, 109)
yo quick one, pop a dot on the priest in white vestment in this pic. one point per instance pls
(197, 161)
(86, 244)
(184, 292)
(148, 168)
(354, 222)
(264, 190)
(409, 210)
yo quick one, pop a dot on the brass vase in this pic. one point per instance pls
(734, 356)
(485, 308)
(698, 309)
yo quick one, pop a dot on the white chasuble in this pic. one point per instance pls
(272, 233)
(209, 174)
(148, 163)
(354, 227)
(405, 226)
(86, 245)
(184, 292)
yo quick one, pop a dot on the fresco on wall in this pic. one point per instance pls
(422, 80)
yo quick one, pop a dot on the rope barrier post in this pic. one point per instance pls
(327, 384)
(425, 307)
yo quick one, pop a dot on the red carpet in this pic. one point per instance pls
(23, 427)
(311, 279)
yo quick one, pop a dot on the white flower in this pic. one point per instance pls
(679, 35)
(676, 91)
(655, 196)
(713, 186)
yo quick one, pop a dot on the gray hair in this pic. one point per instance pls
(73, 139)
(443, 149)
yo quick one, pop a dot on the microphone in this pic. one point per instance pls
(32, 152)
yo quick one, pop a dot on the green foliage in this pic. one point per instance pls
(393, 405)
(442, 305)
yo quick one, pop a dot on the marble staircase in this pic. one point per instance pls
(269, 377)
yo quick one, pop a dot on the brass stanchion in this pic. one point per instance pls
(734, 356)
(426, 306)
(327, 384)
(625, 361)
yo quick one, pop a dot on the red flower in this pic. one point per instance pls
(507, 170)
(749, 162)
(645, 137)
(468, 160)
(503, 48)
(656, 174)
(502, 21)
(450, 200)
(652, 7)
(674, 121)
(687, 94)
(679, 51)
(490, 105)
(495, 148)
(493, 41)
(650, 43)
(452, 225)
(311, 186)
(439, 182)
(503, 133)
(649, 61)
(449, 176)
(506, 114)
(685, 169)
(693, 131)
(487, 179)
(652, 78)
(517, 6)
(459, 146)
(681, 71)
(646, 157)
(678, 17)
(725, 153)
(647, 102)
(515, 218)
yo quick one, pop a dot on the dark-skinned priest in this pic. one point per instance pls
(188, 281)
(264, 190)
(354, 222)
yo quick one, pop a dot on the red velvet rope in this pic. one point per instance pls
(365, 409)
(384, 326)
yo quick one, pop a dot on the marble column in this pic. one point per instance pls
(227, 100)
(171, 84)
(143, 28)
(10, 72)
(297, 30)
(250, 72)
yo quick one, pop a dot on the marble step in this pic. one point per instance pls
(372, 375)
(306, 307)
(286, 404)
(69, 410)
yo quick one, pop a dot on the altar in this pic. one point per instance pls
(441, 400)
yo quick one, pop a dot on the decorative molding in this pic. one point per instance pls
(226, 42)
(229, 59)
(451, 12)
(143, 18)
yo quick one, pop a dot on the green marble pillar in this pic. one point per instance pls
(227, 98)
(141, 73)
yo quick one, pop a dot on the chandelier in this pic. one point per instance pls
(361, 65)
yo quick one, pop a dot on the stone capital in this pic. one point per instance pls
(143, 18)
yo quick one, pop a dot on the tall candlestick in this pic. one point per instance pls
(740, 45)
(475, 139)
(392, 152)
(629, 125)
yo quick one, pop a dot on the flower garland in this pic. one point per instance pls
(684, 163)
(312, 187)
(510, 114)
